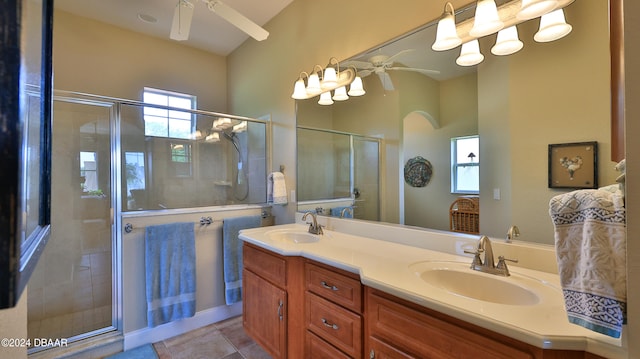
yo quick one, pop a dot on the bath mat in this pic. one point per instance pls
(142, 352)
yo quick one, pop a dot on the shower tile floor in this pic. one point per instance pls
(223, 340)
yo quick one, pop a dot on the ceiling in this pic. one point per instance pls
(209, 32)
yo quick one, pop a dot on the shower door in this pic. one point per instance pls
(366, 177)
(70, 295)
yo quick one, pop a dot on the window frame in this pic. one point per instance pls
(168, 117)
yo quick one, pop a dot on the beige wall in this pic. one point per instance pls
(96, 58)
(13, 324)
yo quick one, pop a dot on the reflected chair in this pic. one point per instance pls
(464, 215)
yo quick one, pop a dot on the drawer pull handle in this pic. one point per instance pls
(329, 325)
(325, 285)
(280, 309)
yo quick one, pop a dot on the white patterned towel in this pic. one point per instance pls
(591, 251)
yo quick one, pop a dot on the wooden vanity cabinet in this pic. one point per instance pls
(333, 312)
(298, 308)
(396, 328)
(273, 287)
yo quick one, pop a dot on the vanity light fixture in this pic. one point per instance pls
(507, 42)
(333, 79)
(313, 84)
(535, 8)
(299, 89)
(486, 20)
(340, 94)
(446, 35)
(552, 27)
(330, 77)
(470, 54)
(489, 19)
(325, 99)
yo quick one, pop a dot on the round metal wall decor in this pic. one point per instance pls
(417, 172)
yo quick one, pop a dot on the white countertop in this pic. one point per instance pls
(385, 265)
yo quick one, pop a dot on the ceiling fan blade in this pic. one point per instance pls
(363, 65)
(364, 73)
(182, 16)
(422, 71)
(386, 81)
(238, 20)
(394, 57)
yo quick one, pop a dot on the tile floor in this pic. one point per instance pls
(223, 340)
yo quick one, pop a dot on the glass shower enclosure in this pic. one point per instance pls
(105, 162)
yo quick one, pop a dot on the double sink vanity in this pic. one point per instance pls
(400, 292)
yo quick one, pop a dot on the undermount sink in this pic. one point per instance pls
(458, 279)
(296, 237)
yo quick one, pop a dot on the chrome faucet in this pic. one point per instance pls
(344, 210)
(314, 228)
(512, 233)
(488, 264)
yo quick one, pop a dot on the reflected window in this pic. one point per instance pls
(159, 122)
(89, 173)
(465, 164)
(135, 175)
(181, 159)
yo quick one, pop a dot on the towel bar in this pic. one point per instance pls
(204, 221)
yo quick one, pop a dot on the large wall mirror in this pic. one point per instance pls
(547, 93)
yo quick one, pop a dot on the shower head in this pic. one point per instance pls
(231, 137)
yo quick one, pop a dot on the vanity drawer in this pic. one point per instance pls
(336, 325)
(267, 265)
(317, 348)
(337, 287)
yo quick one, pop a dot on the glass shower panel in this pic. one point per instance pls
(70, 292)
(366, 178)
(222, 162)
(324, 162)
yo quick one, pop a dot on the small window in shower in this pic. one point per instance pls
(162, 122)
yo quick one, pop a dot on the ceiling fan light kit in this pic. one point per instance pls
(333, 79)
(490, 19)
(183, 14)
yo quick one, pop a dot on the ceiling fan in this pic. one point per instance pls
(380, 64)
(183, 14)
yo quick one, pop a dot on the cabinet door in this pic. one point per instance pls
(264, 311)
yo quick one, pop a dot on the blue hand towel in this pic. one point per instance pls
(170, 263)
(232, 254)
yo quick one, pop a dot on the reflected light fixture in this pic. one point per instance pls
(552, 27)
(196, 135)
(486, 20)
(299, 89)
(340, 94)
(241, 127)
(212, 137)
(470, 54)
(507, 42)
(356, 88)
(534, 8)
(325, 99)
(446, 35)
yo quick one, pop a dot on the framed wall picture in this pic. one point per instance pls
(573, 165)
(26, 84)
